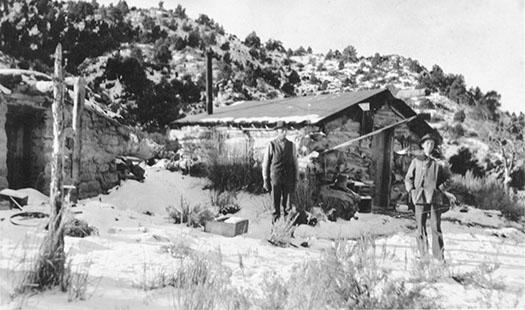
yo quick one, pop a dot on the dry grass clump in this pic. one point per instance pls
(74, 227)
(428, 269)
(51, 266)
(73, 279)
(193, 216)
(225, 201)
(198, 281)
(305, 193)
(349, 276)
(282, 230)
(481, 277)
(76, 279)
(232, 171)
(47, 267)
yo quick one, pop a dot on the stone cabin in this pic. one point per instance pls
(355, 134)
(26, 135)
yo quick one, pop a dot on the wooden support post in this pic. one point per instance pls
(78, 108)
(54, 249)
(209, 82)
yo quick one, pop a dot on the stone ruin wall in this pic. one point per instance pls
(102, 141)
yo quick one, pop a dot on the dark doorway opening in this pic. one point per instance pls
(382, 144)
(24, 129)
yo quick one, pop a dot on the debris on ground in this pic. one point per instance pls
(16, 198)
(129, 167)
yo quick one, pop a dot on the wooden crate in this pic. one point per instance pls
(365, 205)
(228, 227)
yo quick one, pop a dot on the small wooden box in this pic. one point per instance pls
(228, 227)
(365, 205)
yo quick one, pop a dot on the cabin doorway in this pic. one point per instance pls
(25, 154)
(382, 157)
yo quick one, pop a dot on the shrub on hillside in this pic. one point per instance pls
(187, 27)
(459, 116)
(426, 104)
(518, 178)
(486, 193)
(456, 131)
(414, 66)
(179, 43)
(435, 118)
(464, 161)
(252, 40)
(288, 88)
(225, 46)
(271, 77)
(203, 19)
(194, 39)
(376, 60)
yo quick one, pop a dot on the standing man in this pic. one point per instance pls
(280, 170)
(424, 182)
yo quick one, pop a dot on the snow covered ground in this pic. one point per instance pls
(134, 233)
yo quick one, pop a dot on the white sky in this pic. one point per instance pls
(481, 39)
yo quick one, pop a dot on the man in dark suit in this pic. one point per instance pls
(280, 170)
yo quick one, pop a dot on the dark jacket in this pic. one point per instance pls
(280, 162)
(423, 180)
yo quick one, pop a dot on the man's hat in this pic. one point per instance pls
(280, 124)
(429, 136)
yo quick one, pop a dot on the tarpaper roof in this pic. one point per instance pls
(295, 110)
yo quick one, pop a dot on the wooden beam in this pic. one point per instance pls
(370, 134)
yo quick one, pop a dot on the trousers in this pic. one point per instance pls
(422, 212)
(281, 192)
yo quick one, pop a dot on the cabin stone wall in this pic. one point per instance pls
(200, 142)
(358, 160)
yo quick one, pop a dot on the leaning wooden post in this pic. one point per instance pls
(54, 249)
(78, 108)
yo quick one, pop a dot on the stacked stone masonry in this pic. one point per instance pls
(102, 140)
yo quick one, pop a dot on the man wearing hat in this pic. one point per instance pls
(424, 182)
(280, 170)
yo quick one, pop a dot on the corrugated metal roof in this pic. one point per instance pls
(295, 110)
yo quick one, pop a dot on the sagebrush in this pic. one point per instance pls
(486, 193)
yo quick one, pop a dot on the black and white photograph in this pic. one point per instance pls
(262, 154)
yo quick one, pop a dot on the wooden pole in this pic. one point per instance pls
(55, 235)
(78, 108)
(368, 135)
(209, 82)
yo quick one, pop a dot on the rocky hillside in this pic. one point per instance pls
(148, 65)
